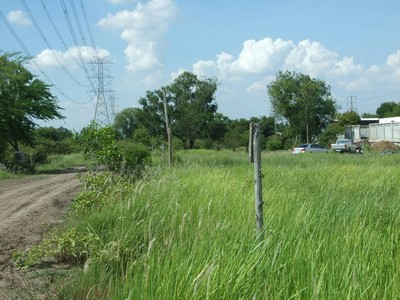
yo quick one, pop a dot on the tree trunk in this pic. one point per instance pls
(191, 143)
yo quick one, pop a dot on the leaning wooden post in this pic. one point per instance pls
(251, 150)
(168, 129)
(258, 184)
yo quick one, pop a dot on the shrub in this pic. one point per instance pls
(274, 144)
(100, 144)
(136, 157)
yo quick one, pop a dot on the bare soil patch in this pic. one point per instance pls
(385, 146)
(28, 208)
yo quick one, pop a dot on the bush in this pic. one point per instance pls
(136, 157)
(100, 144)
(20, 167)
(274, 144)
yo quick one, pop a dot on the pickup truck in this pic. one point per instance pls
(344, 145)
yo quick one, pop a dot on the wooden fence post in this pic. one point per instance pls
(251, 148)
(258, 184)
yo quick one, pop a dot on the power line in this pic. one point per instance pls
(87, 25)
(78, 23)
(58, 32)
(25, 49)
(48, 44)
(71, 29)
(383, 96)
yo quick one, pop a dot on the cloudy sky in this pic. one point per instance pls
(354, 46)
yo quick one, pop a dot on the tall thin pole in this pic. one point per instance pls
(258, 184)
(168, 129)
(251, 150)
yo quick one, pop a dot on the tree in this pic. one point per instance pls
(329, 135)
(23, 99)
(306, 103)
(54, 134)
(100, 144)
(126, 122)
(369, 115)
(218, 127)
(50, 140)
(194, 106)
(191, 108)
(349, 118)
(151, 115)
(388, 109)
(237, 134)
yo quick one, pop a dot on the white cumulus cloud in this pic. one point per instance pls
(263, 58)
(143, 29)
(311, 58)
(260, 56)
(393, 63)
(49, 58)
(18, 17)
(393, 60)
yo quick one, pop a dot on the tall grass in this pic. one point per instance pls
(58, 162)
(4, 174)
(332, 229)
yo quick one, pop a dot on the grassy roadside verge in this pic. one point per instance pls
(187, 232)
(56, 163)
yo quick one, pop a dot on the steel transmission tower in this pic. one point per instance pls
(351, 101)
(105, 106)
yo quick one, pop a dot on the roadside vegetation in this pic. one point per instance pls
(142, 229)
(188, 232)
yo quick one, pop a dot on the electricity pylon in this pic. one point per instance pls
(104, 111)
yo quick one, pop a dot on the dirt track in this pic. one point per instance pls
(27, 208)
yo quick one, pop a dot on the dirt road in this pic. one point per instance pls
(28, 207)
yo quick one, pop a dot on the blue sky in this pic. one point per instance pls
(354, 46)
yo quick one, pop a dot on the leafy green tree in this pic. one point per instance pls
(151, 115)
(142, 136)
(274, 144)
(3, 150)
(100, 144)
(369, 115)
(49, 140)
(218, 127)
(388, 109)
(54, 134)
(191, 108)
(329, 135)
(349, 118)
(23, 100)
(306, 103)
(237, 134)
(126, 122)
(194, 106)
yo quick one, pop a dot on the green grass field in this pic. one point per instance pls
(331, 231)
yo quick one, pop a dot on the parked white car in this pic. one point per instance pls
(344, 145)
(312, 148)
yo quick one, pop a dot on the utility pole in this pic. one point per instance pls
(168, 127)
(105, 106)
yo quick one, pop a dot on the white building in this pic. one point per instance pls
(387, 129)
